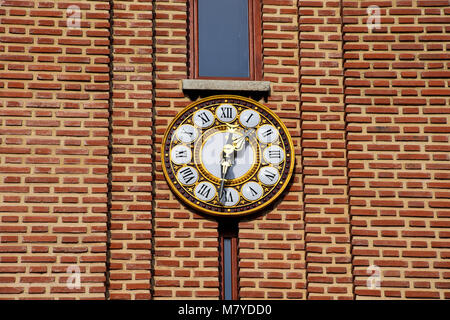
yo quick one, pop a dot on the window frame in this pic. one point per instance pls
(233, 266)
(255, 43)
(229, 230)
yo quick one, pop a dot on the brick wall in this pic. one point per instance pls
(398, 122)
(82, 116)
(54, 87)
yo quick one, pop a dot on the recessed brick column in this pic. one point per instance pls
(132, 147)
(327, 230)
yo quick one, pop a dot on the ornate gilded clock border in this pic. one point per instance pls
(277, 189)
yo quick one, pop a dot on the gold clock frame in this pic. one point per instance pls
(242, 212)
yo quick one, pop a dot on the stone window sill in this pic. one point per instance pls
(261, 87)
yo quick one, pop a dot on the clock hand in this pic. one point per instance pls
(225, 167)
(239, 142)
(229, 150)
(226, 163)
(228, 154)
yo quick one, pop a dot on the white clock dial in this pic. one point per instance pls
(205, 191)
(187, 175)
(187, 133)
(181, 154)
(203, 118)
(267, 134)
(249, 118)
(230, 197)
(252, 191)
(211, 154)
(274, 154)
(226, 112)
(268, 175)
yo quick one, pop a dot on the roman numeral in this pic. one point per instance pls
(204, 191)
(188, 132)
(266, 133)
(254, 193)
(269, 175)
(228, 197)
(204, 117)
(227, 112)
(248, 119)
(181, 154)
(187, 174)
(275, 154)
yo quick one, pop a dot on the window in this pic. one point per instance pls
(227, 266)
(225, 39)
(228, 261)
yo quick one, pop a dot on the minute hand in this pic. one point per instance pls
(226, 162)
(225, 167)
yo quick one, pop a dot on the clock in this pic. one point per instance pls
(227, 155)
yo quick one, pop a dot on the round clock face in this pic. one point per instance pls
(227, 155)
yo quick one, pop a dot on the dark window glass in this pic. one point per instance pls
(223, 38)
(227, 269)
